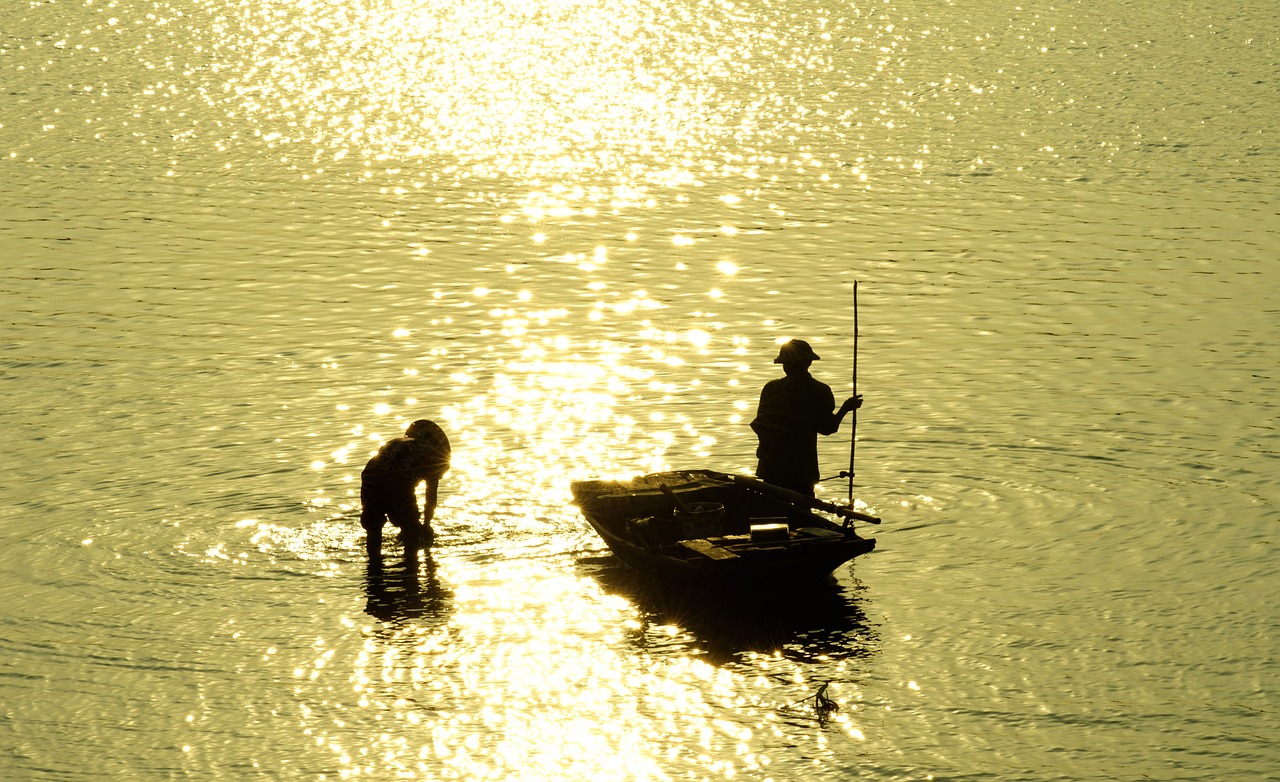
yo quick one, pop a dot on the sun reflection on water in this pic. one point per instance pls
(529, 671)
(589, 104)
(524, 87)
(588, 107)
(550, 403)
(499, 654)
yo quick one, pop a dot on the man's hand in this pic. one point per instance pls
(852, 403)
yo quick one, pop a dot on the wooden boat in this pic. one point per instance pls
(712, 526)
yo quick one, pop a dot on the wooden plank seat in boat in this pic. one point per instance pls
(708, 549)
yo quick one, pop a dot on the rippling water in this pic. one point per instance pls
(244, 243)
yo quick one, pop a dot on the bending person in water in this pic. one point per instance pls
(389, 482)
(793, 411)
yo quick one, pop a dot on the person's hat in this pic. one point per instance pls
(795, 350)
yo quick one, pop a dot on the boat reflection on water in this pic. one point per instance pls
(405, 588)
(823, 620)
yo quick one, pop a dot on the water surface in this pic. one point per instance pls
(245, 243)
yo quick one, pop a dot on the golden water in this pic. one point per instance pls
(243, 243)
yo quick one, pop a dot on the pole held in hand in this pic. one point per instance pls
(853, 437)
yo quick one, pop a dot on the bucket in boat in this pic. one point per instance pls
(701, 520)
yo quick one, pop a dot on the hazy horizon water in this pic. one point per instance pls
(244, 244)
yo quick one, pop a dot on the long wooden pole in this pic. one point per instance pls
(801, 500)
(853, 437)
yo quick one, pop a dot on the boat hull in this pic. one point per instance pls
(625, 514)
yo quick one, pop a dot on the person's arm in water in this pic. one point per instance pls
(429, 506)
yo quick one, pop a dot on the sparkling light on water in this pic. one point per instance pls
(520, 88)
(246, 242)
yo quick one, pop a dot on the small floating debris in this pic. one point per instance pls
(819, 704)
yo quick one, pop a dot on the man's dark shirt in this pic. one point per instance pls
(793, 411)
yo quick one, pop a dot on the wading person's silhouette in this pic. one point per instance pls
(389, 482)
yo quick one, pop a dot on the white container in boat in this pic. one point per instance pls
(769, 532)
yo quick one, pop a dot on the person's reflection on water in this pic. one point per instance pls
(389, 483)
(793, 411)
(407, 589)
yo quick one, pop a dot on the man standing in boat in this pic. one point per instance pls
(793, 411)
(389, 483)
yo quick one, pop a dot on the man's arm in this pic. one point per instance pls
(850, 404)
